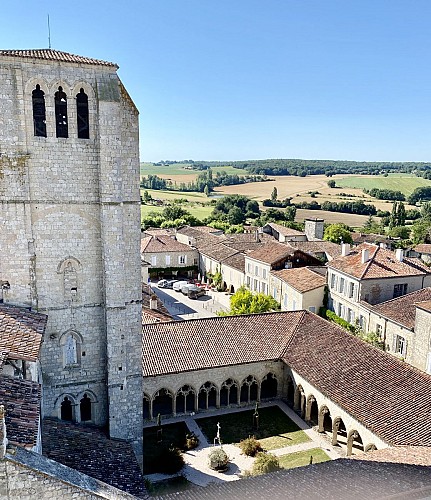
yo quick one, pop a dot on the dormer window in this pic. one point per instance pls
(82, 115)
(61, 125)
(39, 112)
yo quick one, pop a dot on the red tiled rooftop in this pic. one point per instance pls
(162, 243)
(271, 252)
(54, 55)
(285, 231)
(425, 305)
(423, 248)
(301, 278)
(21, 332)
(402, 310)
(382, 263)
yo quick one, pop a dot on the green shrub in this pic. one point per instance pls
(264, 463)
(168, 461)
(192, 441)
(250, 446)
(218, 459)
(340, 321)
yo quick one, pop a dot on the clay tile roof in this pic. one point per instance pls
(21, 399)
(388, 396)
(218, 251)
(402, 310)
(285, 231)
(55, 55)
(414, 455)
(382, 263)
(162, 243)
(160, 314)
(425, 305)
(236, 261)
(314, 248)
(217, 341)
(21, 332)
(423, 248)
(302, 279)
(271, 252)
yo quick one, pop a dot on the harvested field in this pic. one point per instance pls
(351, 220)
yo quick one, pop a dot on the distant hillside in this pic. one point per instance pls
(309, 167)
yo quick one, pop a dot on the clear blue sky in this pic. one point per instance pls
(250, 79)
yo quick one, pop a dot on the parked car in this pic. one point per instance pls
(185, 288)
(170, 283)
(162, 283)
(179, 284)
(195, 292)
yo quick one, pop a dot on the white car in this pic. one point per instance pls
(178, 285)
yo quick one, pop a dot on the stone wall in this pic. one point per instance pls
(421, 348)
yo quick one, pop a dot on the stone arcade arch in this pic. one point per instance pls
(311, 410)
(185, 401)
(324, 419)
(85, 408)
(229, 392)
(249, 390)
(67, 409)
(268, 387)
(290, 391)
(370, 447)
(208, 396)
(299, 401)
(354, 440)
(163, 402)
(338, 430)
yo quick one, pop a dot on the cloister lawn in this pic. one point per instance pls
(301, 458)
(276, 429)
(174, 434)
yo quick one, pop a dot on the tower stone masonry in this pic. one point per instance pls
(70, 229)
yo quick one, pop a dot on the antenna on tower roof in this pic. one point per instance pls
(49, 34)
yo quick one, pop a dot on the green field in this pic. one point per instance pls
(195, 209)
(180, 169)
(301, 458)
(405, 183)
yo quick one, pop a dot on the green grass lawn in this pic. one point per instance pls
(405, 183)
(174, 434)
(301, 458)
(276, 429)
(196, 209)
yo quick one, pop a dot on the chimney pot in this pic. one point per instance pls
(399, 254)
(365, 255)
(345, 249)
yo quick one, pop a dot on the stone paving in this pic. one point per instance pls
(197, 471)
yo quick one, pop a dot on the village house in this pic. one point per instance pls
(423, 251)
(282, 233)
(372, 274)
(298, 288)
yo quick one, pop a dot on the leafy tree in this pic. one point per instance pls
(146, 197)
(337, 233)
(206, 190)
(402, 232)
(243, 301)
(331, 183)
(274, 194)
(420, 194)
(235, 216)
(173, 212)
(265, 463)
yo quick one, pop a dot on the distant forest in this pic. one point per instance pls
(311, 167)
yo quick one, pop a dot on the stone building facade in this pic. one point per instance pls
(69, 194)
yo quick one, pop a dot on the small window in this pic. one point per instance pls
(351, 290)
(333, 280)
(182, 259)
(61, 124)
(248, 281)
(362, 322)
(82, 115)
(256, 271)
(274, 292)
(341, 285)
(312, 309)
(39, 112)
(400, 345)
(400, 289)
(249, 267)
(168, 260)
(379, 330)
(153, 260)
(264, 273)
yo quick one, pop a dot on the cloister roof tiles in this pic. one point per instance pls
(214, 342)
(301, 278)
(21, 332)
(382, 263)
(21, 399)
(386, 395)
(402, 310)
(55, 55)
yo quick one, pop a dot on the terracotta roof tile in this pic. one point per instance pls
(237, 261)
(272, 252)
(331, 250)
(414, 455)
(402, 310)
(423, 248)
(388, 396)
(382, 263)
(218, 341)
(162, 243)
(21, 399)
(54, 55)
(160, 314)
(21, 332)
(425, 305)
(285, 231)
(218, 251)
(302, 279)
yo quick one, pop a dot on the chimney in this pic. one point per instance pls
(345, 249)
(399, 254)
(365, 255)
(153, 302)
(3, 439)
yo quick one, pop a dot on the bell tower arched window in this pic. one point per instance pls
(61, 113)
(39, 112)
(82, 115)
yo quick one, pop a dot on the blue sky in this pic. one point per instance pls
(250, 79)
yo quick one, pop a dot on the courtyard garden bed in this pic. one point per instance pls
(276, 429)
(301, 458)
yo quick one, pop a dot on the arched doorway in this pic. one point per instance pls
(85, 408)
(185, 400)
(162, 403)
(66, 411)
(248, 390)
(268, 388)
(229, 393)
(207, 397)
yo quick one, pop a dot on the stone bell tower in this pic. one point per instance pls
(70, 229)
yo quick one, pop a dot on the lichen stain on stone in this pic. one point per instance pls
(16, 163)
